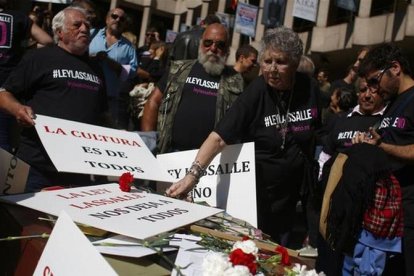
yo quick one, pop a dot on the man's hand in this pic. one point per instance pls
(372, 137)
(25, 115)
(375, 138)
(181, 188)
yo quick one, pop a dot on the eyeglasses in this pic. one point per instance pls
(150, 34)
(221, 45)
(114, 16)
(374, 82)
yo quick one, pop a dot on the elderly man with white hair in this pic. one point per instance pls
(58, 81)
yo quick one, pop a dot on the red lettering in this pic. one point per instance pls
(47, 271)
(57, 131)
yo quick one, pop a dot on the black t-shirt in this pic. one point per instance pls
(397, 127)
(196, 112)
(259, 116)
(162, 83)
(14, 30)
(154, 67)
(344, 128)
(57, 84)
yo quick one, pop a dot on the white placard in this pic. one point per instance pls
(230, 182)
(192, 260)
(13, 173)
(306, 9)
(69, 252)
(82, 148)
(134, 214)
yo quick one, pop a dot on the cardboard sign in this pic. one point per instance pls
(69, 252)
(134, 214)
(229, 183)
(306, 9)
(13, 173)
(82, 148)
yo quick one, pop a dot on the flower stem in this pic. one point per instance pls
(42, 236)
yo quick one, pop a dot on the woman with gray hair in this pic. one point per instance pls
(278, 111)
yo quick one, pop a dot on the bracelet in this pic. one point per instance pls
(196, 170)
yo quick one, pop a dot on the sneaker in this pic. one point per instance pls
(308, 251)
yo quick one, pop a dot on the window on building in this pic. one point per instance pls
(379, 7)
(302, 25)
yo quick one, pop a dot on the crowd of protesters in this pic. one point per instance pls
(183, 96)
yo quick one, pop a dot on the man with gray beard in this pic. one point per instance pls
(194, 95)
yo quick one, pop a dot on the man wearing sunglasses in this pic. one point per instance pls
(116, 56)
(192, 97)
(388, 72)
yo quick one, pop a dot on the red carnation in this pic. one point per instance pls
(125, 182)
(285, 255)
(238, 257)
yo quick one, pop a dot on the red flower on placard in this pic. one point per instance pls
(285, 255)
(125, 182)
(238, 257)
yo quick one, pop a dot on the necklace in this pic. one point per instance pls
(283, 127)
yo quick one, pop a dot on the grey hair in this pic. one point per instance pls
(282, 39)
(58, 21)
(306, 66)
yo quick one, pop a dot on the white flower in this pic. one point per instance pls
(215, 264)
(300, 270)
(237, 270)
(248, 247)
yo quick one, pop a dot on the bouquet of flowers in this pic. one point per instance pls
(244, 258)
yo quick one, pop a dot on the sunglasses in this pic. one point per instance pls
(114, 16)
(374, 82)
(150, 34)
(221, 45)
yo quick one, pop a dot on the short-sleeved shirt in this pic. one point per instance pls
(122, 52)
(14, 29)
(56, 83)
(345, 128)
(195, 115)
(258, 116)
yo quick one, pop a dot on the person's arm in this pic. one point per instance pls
(150, 116)
(402, 152)
(405, 152)
(212, 146)
(142, 74)
(23, 113)
(40, 35)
